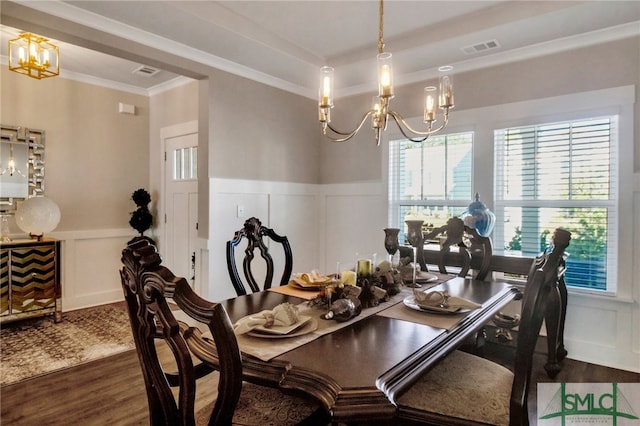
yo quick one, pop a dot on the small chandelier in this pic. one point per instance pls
(381, 110)
(34, 56)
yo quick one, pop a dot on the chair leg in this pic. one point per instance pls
(561, 352)
(481, 339)
(554, 319)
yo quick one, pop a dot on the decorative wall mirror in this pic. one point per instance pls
(21, 165)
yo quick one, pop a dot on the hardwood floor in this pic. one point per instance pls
(110, 391)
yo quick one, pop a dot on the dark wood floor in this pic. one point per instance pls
(110, 391)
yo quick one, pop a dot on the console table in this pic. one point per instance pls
(30, 279)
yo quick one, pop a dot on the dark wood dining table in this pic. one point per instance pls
(359, 370)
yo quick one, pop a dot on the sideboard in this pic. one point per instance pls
(30, 279)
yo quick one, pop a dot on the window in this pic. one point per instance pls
(559, 175)
(185, 163)
(431, 180)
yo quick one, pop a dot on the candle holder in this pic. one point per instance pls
(416, 239)
(391, 244)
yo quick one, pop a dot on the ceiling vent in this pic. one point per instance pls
(146, 71)
(481, 47)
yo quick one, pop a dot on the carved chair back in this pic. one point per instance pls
(469, 244)
(147, 285)
(254, 232)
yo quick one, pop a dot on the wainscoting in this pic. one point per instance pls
(324, 223)
(90, 265)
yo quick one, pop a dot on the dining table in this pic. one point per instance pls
(358, 368)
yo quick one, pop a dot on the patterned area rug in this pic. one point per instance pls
(31, 347)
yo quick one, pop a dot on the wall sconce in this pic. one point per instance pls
(33, 55)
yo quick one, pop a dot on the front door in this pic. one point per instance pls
(181, 205)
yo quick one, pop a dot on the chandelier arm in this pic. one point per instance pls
(401, 122)
(410, 138)
(347, 135)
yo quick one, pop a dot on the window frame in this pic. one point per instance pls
(611, 203)
(394, 183)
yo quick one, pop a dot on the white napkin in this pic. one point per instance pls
(442, 301)
(283, 315)
(311, 279)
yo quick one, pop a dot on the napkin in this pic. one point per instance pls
(283, 315)
(442, 301)
(313, 278)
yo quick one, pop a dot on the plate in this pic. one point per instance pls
(410, 302)
(421, 277)
(305, 326)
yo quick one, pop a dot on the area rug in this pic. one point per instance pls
(36, 346)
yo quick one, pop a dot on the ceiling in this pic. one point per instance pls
(284, 43)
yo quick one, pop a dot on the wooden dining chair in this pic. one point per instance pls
(170, 375)
(466, 389)
(556, 315)
(254, 232)
(467, 242)
(469, 245)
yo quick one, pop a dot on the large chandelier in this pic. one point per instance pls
(33, 55)
(381, 110)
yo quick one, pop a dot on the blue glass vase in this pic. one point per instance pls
(479, 217)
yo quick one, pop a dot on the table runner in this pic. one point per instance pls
(269, 348)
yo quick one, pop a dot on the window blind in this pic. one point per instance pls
(559, 175)
(432, 180)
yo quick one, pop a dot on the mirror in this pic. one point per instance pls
(21, 165)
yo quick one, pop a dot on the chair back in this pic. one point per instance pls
(469, 243)
(147, 285)
(547, 274)
(253, 231)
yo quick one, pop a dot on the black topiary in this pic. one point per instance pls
(141, 219)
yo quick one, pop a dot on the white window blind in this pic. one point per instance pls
(560, 175)
(431, 180)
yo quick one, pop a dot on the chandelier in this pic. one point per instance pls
(381, 110)
(33, 55)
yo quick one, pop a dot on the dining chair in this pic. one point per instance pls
(555, 316)
(467, 241)
(469, 246)
(466, 389)
(253, 231)
(171, 380)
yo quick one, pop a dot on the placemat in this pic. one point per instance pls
(296, 292)
(402, 312)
